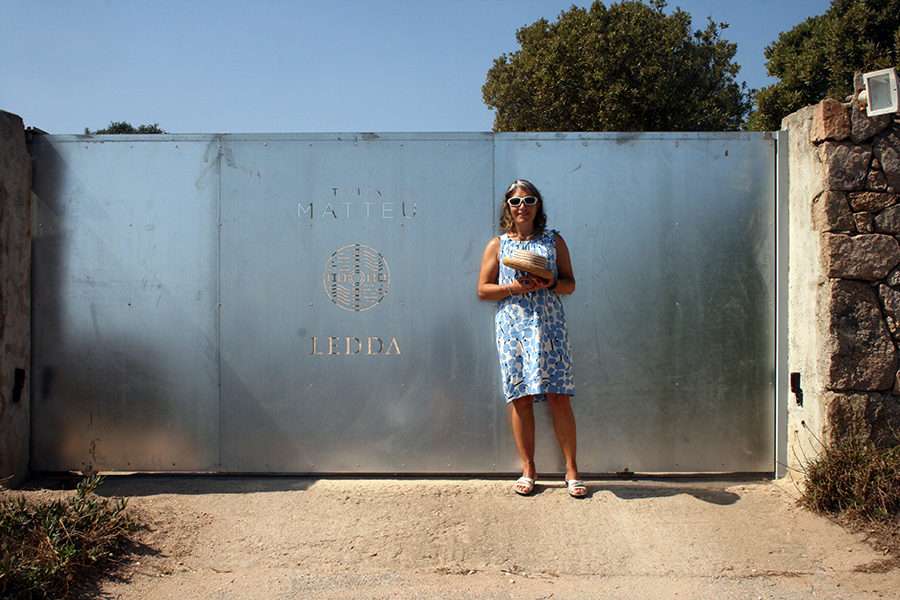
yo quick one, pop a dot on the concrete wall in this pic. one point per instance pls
(844, 280)
(807, 181)
(15, 300)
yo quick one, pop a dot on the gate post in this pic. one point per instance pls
(15, 301)
(844, 305)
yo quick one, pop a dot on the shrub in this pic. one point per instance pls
(859, 485)
(857, 480)
(49, 548)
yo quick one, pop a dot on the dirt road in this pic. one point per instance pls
(299, 538)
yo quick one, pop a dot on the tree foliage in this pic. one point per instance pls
(120, 127)
(818, 58)
(629, 67)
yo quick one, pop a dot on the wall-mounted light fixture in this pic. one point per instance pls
(880, 96)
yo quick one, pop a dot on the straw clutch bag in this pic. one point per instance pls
(529, 262)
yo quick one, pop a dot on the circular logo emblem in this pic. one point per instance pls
(356, 277)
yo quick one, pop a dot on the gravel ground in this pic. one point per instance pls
(304, 538)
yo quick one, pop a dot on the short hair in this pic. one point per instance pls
(507, 225)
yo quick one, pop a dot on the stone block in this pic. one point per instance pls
(877, 182)
(871, 201)
(831, 212)
(890, 307)
(886, 148)
(864, 127)
(864, 222)
(831, 121)
(888, 220)
(846, 165)
(857, 351)
(869, 257)
(893, 278)
(870, 417)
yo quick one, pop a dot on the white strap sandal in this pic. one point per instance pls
(576, 488)
(524, 486)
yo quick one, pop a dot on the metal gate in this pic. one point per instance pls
(306, 303)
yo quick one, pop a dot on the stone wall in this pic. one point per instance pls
(15, 300)
(844, 279)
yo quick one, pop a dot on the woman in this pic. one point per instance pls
(531, 328)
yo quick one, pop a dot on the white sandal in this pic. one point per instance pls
(576, 488)
(524, 482)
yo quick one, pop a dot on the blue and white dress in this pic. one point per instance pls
(531, 330)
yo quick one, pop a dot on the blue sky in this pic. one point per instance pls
(272, 66)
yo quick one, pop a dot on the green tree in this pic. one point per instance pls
(818, 58)
(629, 67)
(119, 127)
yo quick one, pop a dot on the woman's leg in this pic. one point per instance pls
(564, 426)
(522, 417)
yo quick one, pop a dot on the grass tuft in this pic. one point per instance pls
(47, 549)
(858, 483)
(855, 479)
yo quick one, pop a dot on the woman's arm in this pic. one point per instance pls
(565, 279)
(488, 288)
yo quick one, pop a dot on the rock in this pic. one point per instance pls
(893, 278)
(876, 181)
(890, 306)
(864, 222)
(869, 417)
(846, 165)
(893, 327)
(858, 352)
(869, 257)
(888, 220)
(831, 212)
(871, 201)
(831, 121)
(864, 127)
(889, 296)
(886, 148)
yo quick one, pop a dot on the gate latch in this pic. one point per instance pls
(18, 385)
(795, 388)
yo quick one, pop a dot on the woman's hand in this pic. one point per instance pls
(543, 283)
(523, 285)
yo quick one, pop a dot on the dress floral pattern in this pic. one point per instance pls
(531, 330)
